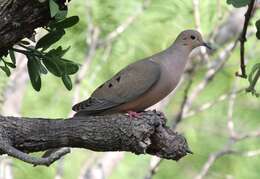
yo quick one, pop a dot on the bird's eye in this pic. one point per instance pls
(192, 37)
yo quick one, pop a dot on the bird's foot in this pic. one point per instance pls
(133, 114)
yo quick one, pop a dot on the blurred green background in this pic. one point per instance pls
(153, 30)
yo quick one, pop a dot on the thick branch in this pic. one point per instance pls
(147, 134)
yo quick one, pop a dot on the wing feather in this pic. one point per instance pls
(125, 86)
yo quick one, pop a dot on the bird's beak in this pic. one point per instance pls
(206, 45)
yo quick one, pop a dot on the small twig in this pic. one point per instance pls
(124, 25)
(219, 9)
(212, 158)
(101, 166)
(243, 39)
(179, 116)
(154, 165)
(11, 151)
(210, 74)
(210, 104)
(196, 13)
(253, 134)
(251, 153)
(227, 149)
(84, 68)
(230, 122)
(90, 54)
(233, 137)
(6, 168)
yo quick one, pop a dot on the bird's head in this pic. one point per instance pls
(191, 39)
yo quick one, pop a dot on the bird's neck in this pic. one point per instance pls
(179, 57)
(174, 60)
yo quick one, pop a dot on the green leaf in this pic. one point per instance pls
(238, 3)
(54, 8)
(10, 64)
(57, 53)
(34, 72)
(257, 24)
(52, 66)
(61, 15)
(6, 70)
(253, 71)
(24, 42)
(69, 66)
(66, 23)
(49, 39)
(12, 56)
(67, 81)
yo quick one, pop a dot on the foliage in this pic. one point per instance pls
(41, 57)
(255, 72)
(238, 3)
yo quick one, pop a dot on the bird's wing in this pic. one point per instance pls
(125, 86)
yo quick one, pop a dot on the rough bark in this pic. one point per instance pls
(146, 134)
(18, 19)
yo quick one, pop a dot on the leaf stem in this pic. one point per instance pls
(243, 39)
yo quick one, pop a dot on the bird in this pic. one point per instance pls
(144, 82)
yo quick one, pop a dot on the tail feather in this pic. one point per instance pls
(92, 106)
(82, 105)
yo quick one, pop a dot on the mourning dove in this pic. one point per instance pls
(143, 83)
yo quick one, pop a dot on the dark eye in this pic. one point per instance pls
(192, 37)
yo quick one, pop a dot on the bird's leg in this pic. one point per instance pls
(133, 114)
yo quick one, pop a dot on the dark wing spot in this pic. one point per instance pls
(110, 85)
(118, 78)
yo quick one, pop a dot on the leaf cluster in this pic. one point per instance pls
(41, 57)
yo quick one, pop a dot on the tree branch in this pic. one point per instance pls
(118, 132)
(242, 40)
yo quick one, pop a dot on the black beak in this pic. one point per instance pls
(207, 45)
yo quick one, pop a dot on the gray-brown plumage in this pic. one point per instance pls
(143, 83)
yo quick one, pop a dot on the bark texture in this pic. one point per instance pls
(18, 19)
(146, 134)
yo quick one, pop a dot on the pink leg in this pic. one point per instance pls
(133, 114)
